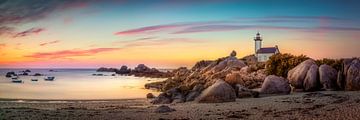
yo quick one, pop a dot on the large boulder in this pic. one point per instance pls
(353, 75)
(220, 91)
(275, 85)
(311, 82)
(195, 92)
(328, 77)
(234, 78)
(296, 76)
(141, 68)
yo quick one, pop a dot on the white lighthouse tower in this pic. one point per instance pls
(257, 40)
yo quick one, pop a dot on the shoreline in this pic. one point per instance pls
(297, 105)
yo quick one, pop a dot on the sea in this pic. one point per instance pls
(73, 84)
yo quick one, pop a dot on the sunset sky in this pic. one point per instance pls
(170, 33)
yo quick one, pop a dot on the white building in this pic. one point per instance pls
(263, 54)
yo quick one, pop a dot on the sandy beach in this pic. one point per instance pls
(305, 105)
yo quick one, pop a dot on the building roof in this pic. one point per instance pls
(267, 50)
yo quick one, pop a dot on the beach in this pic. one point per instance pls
(299, 105)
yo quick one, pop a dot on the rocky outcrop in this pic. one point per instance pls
(328, 76)
(123, 70)
(296, 76)
(311, 82)
(218, 92)
(139, 71)
(353, 75)
(103, 69)
(275, 85)
(10, 74)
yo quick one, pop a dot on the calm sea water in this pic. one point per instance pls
(73, 84)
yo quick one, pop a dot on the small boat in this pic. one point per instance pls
(34, 79)
(16, 81)
(49, 78)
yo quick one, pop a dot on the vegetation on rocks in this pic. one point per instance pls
(280, 64)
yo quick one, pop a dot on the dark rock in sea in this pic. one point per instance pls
(219, 92)
(37, 74)
(24, 73)
(164, 109)
(123, 70)
(328, 77)
(27, 70)
(103, 69)
(275, 85)
(353, 75)
(150, 95)
(143, 71)
(112, 74)
(10, 74)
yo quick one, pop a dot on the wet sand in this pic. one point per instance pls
(296, 106)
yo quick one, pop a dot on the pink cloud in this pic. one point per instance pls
(71, 53)
(48, 43)
(29, 32)
(157, 42)
(146, 29)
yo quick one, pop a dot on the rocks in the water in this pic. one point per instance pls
(220, 91)
(103, 69)
(328, 77)
(353, 75)
(150, 95)
(27, 70)
(243, 92)
(10, 74)
(123, 70)
(24, 73)
(37, 74)
(311, 82)
(275, 85)
(164, 109)
(296, 76)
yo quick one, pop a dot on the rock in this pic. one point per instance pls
(201, 65)
(163, 98)
(296, 76)
(243, 92)
(103, 69)
(141, 68)
(234, 78)
(195, 92)
(10, 74)
(123, 70)
(150, 95)
(340, 81)
(37, 74)
(311, 82)
(220, 91)
(275, 85)
(233, 53)
(328, 77)
(24, 73)
(164, 109)
(353, 75)
(27, 70)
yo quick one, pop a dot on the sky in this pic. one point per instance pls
(170, 33)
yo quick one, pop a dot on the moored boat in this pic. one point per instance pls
(49, 78)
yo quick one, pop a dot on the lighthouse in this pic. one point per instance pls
(257, 40)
